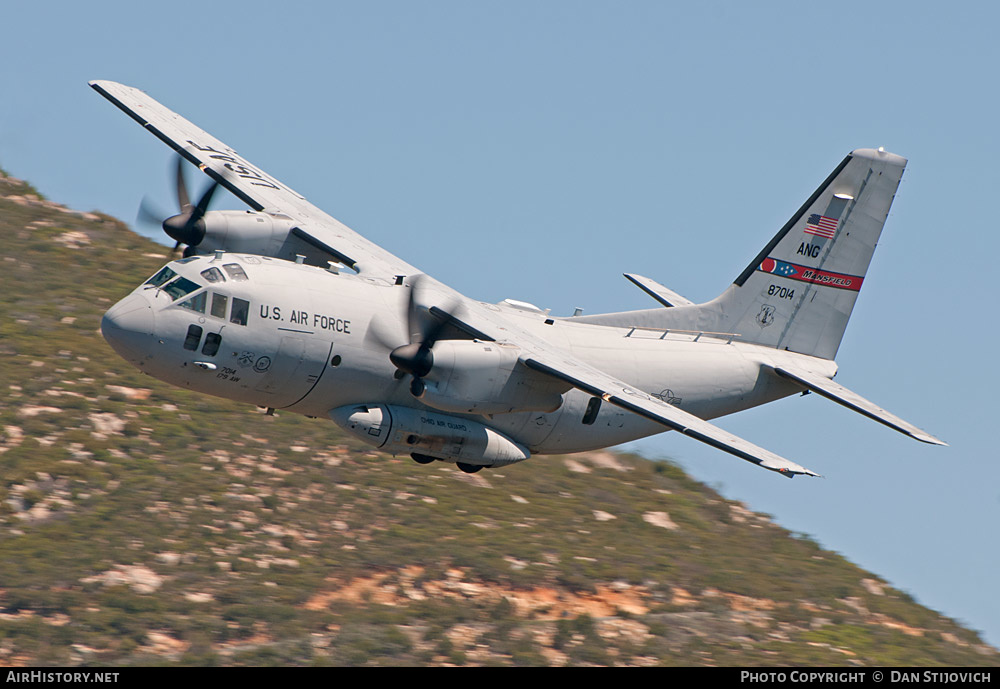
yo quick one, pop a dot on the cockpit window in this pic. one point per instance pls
(189, 259)
(179, 287)
(241, 309)
(196, 303)
(213, 275)
(235, 271)
(165, 274)
(219, 304)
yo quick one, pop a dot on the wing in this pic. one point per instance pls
(627, 397)
(852, 400)
(540, 356)
(251, 185)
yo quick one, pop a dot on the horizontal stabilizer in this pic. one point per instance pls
(841, 395)
(664, 295)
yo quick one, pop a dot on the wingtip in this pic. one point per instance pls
(791, 471)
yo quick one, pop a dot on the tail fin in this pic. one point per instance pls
(798, 293)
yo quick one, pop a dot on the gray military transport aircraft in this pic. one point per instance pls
(283, 307)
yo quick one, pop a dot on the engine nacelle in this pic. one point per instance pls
(245, 232)
(402, 430)
(475, 377)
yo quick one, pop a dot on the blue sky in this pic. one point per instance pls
(537, 150)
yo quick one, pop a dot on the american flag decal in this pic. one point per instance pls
(821, 226)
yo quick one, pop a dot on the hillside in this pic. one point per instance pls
(142, 524)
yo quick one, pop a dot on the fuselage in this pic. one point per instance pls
(282, 335)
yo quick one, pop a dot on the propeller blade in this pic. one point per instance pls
(422, 324)
(412, 323)
(149, 213)
(377, 334)
(206, 198)
(183, 199)
(439, 325)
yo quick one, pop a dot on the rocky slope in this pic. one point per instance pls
(142, 524)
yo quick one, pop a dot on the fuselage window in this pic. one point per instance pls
(165, 274)
(193, 337)
(213, 275)
(212, 342)
(179, 287)
(241, 309)
(235, 271)
(219, 304)
(196, 303)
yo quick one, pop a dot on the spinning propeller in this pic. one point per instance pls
(188, 226)
(425, 328)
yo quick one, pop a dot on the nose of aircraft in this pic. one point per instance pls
(128, 328)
